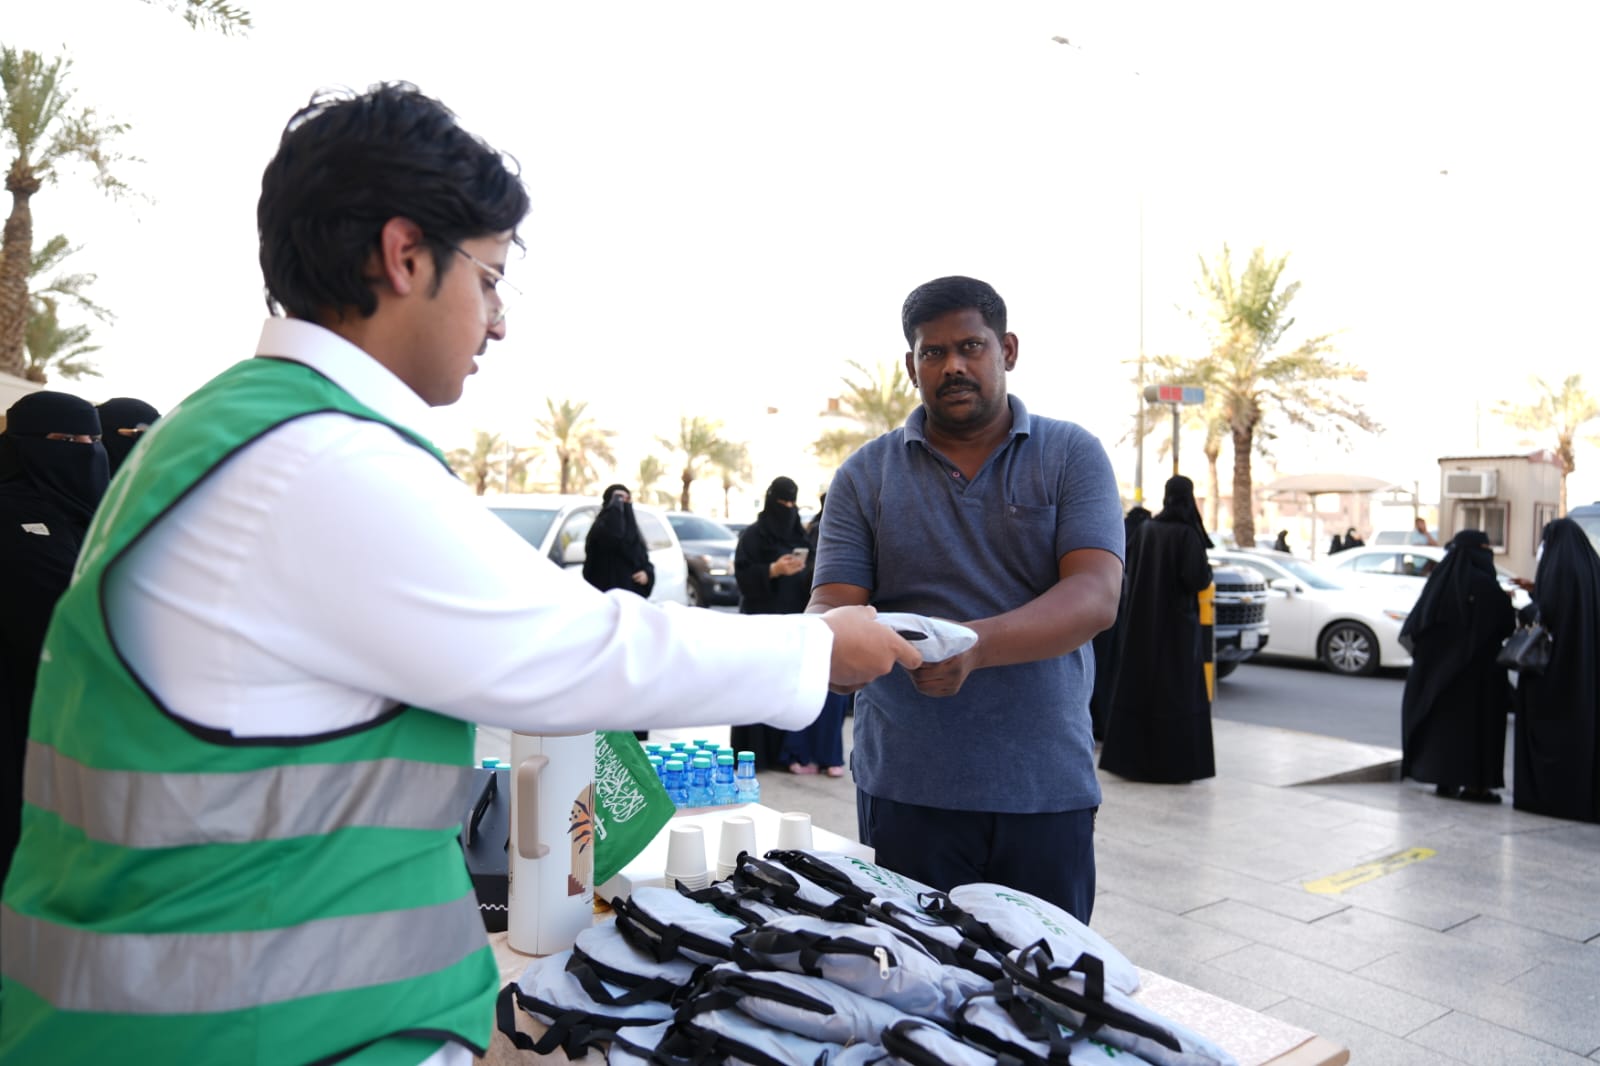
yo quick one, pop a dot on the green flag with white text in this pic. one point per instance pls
(630, 803)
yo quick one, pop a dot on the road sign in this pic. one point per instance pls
(1183, 394)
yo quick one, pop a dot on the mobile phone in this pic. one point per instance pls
(802, 553)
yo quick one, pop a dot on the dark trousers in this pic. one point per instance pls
(822, 742)
(1050, 855)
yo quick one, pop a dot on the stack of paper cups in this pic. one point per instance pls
(738, 835)
(794, 831)
(686, 858)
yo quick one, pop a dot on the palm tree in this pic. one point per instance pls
(482, 464)
(733, 463)
(1250, 380)
(876, 400)
(43, 134)
(699, 440)
(50, 345)
(210, 14)
(1565, 410)
(577, 442)
(651, 471)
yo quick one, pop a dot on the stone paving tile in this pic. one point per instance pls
(1120, 918)
(1352, 996)
(1407, 904)
(1368, 1046)
(1313, 941)
(1520, 1010)
(1157, 956)
(1495, 962)
(1501, 935)
(1481, 1043)
(1501, 893)
(1574, 992)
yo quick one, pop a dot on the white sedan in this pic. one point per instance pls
(1316, 616)
(1401, 568)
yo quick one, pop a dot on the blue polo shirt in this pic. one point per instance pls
(903, 523)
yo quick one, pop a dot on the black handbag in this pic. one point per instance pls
(1526, 649)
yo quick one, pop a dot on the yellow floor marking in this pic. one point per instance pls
(1367, 871)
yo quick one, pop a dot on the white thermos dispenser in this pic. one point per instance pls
(552, 841)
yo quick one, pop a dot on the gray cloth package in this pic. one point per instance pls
(1019, 919)
(743, 1041)
(1032, 1039)
(873, 960)
(604, 951)
(810, 1006)
(1078, 995)
(665, 923)
(574, 1020)
(921, 1043)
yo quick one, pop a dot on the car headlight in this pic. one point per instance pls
(1398, 616)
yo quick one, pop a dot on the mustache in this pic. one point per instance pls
(958, 383)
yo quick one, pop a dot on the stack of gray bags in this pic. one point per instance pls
(811, 958)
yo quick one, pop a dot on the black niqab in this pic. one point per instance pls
(70, 475)
(123, 421)
(1177, 505)
(614, 550)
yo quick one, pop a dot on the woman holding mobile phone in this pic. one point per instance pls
(774, 578)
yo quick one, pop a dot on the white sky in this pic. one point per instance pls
(730, 200)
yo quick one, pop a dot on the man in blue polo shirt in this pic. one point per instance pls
(980, 767)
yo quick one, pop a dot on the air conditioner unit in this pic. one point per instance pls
(1471, 484)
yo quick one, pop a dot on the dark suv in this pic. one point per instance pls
(1240, 625)
(708, 549)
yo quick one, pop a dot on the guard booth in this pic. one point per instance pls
(1509, 497)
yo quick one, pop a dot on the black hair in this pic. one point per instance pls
(345, 166)
(956, 293)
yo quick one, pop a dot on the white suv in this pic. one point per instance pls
(558, 525)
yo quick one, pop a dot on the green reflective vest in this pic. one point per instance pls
(181, 895)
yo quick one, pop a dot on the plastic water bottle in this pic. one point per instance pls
(700, 782)
(722, 790)
(659, 765)
(652, 749)
(677, 782)
(745, 784)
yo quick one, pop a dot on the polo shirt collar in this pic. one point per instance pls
(1021, 425)
(346, 365)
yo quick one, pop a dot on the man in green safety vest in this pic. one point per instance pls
(251, 734)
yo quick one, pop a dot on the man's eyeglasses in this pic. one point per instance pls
(496, 280)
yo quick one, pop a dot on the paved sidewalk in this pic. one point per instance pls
(1487, 952)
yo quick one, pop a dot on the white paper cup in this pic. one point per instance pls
(686, 857)
(738, 835)
(794, 831)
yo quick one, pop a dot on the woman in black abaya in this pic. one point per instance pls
(1557, 759)
(614, 554)
(1453, 713)
(1160, 724)
(773, 579)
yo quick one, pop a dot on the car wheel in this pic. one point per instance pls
(1350, 648)
(694, 593)
(1226, 667)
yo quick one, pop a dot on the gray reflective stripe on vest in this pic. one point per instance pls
(167, 810)
(178, 973)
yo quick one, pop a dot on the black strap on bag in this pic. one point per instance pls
(573, 1031)
(751, 945)
(963, 954)
(897, 1041)
(731, 898)
(771, 883)
(593, 977)
(1089, 1011)
(661, 940)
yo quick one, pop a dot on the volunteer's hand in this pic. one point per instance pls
(641, 578)
(863, 650)
(786, 565)
(946, 678)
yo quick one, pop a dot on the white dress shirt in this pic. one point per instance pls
(333, 569)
